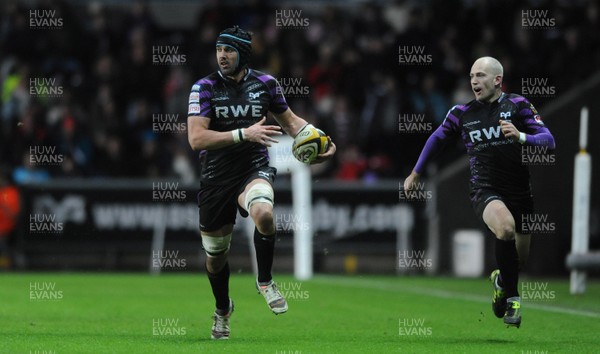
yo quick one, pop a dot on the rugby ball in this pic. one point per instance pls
(308, 143)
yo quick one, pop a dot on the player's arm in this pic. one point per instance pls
(433, 146)
(292, 124)
(200, 112)
(535, 133)
(539, 136)
(201, 137)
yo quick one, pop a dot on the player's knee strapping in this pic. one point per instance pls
(259, 193)
(216, 246)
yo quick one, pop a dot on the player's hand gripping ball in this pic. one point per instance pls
(308, 143)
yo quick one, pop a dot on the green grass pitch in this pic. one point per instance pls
(170, 313)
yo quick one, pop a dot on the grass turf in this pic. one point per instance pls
(118, 313)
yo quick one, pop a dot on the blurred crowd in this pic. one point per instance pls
(93, 116)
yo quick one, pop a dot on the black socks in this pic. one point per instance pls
(508, 263)
(265, 246)
(219, 283)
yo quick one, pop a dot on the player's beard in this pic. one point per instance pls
(227, 70)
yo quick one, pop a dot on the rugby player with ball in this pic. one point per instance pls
(226, 115)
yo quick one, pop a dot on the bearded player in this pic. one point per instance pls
(493, 128)
(226, 117)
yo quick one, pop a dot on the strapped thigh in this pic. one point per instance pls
(216, 246)
(259, 193)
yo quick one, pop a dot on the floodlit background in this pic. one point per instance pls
(97, 175)
(97, 91)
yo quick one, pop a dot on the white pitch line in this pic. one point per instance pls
(372, 284)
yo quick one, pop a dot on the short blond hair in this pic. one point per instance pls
(494, 65)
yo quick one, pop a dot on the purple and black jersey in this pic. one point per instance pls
(495, 161)
(231, 105)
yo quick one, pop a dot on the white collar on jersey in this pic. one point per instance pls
(502, 95)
